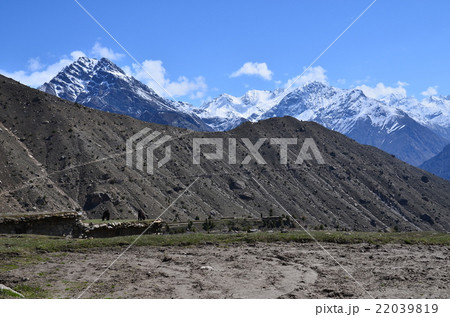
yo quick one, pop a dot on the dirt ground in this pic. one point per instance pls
(262, 270)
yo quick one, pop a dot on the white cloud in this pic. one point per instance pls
(257, 69)
(77, 54)
(34, 64)
(155, 76)
(100, 51)
(381, 91)
(37, 74)
(313, 74)
(431, 91)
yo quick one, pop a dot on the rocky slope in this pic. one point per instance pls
(100, 84)
(57, 155)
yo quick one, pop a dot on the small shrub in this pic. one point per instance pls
(208, 224)
(425, 179)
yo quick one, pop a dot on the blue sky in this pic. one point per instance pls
(200, 49)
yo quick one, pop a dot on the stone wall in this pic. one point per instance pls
(70, 224)
(52, 224)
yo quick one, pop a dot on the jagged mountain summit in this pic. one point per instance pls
(227, 112)
(350, 112)
(100, 84)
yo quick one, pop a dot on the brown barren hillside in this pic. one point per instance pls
(56, 156)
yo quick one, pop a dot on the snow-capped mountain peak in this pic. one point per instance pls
(103, 85)
(226, 112)
(337, 109)
(105, 65)
(72, 79)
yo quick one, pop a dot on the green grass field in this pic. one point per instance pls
(26, 244)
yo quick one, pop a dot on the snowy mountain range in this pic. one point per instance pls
(227, 112)
(412, 130)
(102, 85)
(432, 112)
(397, 126)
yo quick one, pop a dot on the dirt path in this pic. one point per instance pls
(275, 270)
